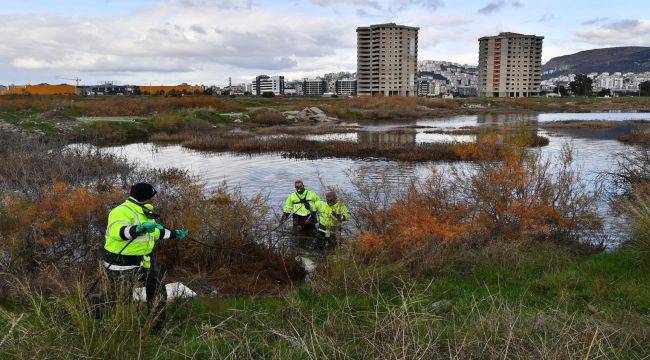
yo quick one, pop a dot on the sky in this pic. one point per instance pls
(207, 41)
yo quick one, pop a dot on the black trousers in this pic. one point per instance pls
(304, 224)
(122, 283)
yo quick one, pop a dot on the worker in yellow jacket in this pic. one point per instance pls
(131, 234)
(331, 216)
(301, 204)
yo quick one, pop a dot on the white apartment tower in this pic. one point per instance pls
(510, 65)
(387, 57)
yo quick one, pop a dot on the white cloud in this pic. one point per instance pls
(627, 32)
(176, 36)
(497, 5)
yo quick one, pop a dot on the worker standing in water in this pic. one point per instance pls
(131, 235)
(331, 216)
(302, 205)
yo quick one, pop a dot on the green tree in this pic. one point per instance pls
(644, 88)
(582, 85)
(561, 90)
(604, 92)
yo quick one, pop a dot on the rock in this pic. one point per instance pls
(313, 114)
(442, 305)
(236, 117)
(8, 127)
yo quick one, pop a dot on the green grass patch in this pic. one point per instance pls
(540, 304)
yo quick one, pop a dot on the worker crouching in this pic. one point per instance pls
(331, 216)
(131, 236)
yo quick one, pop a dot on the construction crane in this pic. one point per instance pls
(77, 80)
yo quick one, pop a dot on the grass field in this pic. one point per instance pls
(540, 303)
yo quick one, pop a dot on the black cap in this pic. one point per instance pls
(142, 191)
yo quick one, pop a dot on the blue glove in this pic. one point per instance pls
(146, 227)
(181, 234)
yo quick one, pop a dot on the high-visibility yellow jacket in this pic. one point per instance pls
(301, 204)
(122, 221)
(326, 214)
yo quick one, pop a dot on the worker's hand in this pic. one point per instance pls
(180, 234)
(338, 217)
(146, 227)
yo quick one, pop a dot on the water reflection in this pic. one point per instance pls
(387, 138)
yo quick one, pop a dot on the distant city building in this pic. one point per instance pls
(108, 89)
(616, 82)
(3, 90)
(510, 65)
(466, 91)
(314, 87)
(387, 60)
(171, 89)
(293, 87)
(424, 87)
(290, 89)
(41, 89)
(331, 78)
(266, 84)
(455, 75)
(345, 87)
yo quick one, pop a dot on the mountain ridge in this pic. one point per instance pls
(614, 59)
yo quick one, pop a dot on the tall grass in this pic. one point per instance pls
(527, 311)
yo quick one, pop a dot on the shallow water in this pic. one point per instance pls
(274, 175)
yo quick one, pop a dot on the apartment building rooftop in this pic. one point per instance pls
(393, 25)
(508, 34)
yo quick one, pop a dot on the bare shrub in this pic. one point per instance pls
(54, 204)
(268, 117)
(637, 136)
(519, 199)
(301, 148)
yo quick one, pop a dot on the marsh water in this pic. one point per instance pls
(595, 152)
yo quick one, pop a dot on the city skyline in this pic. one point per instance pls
(206, 41)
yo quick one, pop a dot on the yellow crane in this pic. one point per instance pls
(77, 80)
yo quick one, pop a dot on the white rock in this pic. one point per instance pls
(174, 290)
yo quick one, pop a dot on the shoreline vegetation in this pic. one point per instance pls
(486, 149)
(137, 118)
(505, 260)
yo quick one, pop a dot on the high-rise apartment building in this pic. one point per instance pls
(510, 65)
(387, 56)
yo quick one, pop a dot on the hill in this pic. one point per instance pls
(623, 59)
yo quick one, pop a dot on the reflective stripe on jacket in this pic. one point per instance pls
(121, 220)
(302, 205)
(326, 214)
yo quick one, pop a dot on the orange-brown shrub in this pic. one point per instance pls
(60, 223)
(60, 229)
(518, 199)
